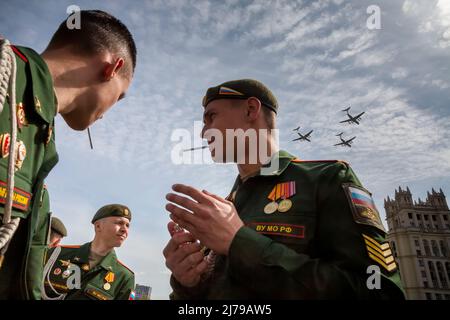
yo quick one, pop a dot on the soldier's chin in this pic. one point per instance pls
(76, 124)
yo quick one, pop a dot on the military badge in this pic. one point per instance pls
(64, 263)
(228, 91)
(21, 119)
(109, 277)
(282, 191)
(106, 286)
(49, 134)
(362, 206)
(5, 141)
(37, 104)
(21, 152)
(57, 272)
(85, 267)
(66, 274)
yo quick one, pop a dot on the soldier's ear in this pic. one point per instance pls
(253, 109)
(112, 69)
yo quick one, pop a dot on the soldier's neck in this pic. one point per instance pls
(100, 248)
(60, 70)
(248, 169)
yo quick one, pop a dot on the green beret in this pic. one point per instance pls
(242, 89)
(58, 226)
(112, 210)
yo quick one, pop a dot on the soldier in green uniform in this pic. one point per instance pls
(290, 228)
(80, 75)
(57, 232)
(93, 265)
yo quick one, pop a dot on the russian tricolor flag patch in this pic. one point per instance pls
(362, 206)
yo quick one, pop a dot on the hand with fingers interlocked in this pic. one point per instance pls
(209, 218)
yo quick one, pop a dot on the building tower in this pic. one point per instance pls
(419, 234)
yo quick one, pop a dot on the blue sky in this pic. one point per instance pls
(316, 56)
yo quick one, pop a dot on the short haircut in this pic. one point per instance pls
(99, 32)
(268, 114)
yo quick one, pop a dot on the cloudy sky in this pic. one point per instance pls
(316, 56)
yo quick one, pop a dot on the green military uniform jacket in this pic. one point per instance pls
(21, 272)
(109, 280)
(319, 249)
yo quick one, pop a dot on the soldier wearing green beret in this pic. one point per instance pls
(57, 232)
(92, 271)
(289, 229)
(80, 75)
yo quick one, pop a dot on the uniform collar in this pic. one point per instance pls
(283, 158)
(83, 257)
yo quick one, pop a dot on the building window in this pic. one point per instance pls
(435, 248)
(410, 215)
(440, 270)
(417, 243)
(438, 296)
(429, 295)
(445, 217)
(434, 217)
(418, 217)
(426, 247)
(447, 267)
(425, 217)
(424, 274)
(394, 248)
(447, 226)
(421, 263)
(447, 296)
(443, 248)
(418, 253)
(425, 284)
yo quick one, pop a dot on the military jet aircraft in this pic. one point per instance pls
(304, 137)
(344, 143)
(296, 129)
(193, 149)
(352, 119)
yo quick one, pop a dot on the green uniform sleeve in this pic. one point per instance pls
(338, 267)
(127, 287)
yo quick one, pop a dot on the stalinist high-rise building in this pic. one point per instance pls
(419, 234)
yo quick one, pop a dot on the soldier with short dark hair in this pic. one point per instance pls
(80, 75)
(289, 229)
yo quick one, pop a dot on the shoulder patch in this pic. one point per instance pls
(121, 263)
(363, 207)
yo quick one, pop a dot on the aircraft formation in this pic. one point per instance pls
(356, 119)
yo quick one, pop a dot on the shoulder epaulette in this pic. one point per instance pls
(19, 54)
(308, 161)
(69, 246)
(121, 263)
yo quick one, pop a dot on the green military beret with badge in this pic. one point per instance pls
(58, 226)
(112, 210)
(242, 89)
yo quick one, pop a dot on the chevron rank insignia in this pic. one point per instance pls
(380, 253)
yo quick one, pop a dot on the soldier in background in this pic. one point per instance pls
(80, 75)
(57, 232)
